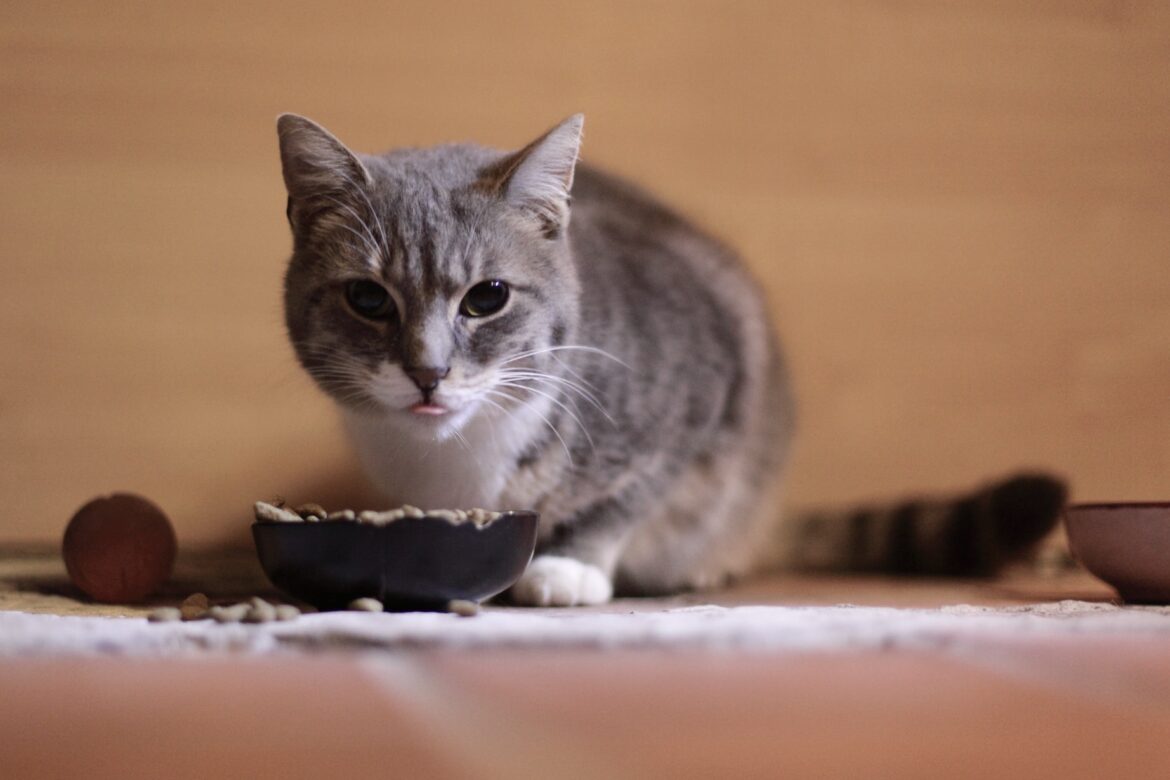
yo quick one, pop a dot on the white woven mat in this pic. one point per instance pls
(760, 629)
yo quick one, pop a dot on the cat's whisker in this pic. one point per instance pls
(343, 372)
(339, 367)
(578, 388)
(360, 190)
(539, 414)
(322, 360)
(472, 236)
(563, 348)
(370, 248)
(338, 364)
(560, 383)
(552, 399)
(465, 444)
(505, 412)
(574, 372)
(340, 376)
(532, 372)
(346, 386)
(358, 402)
(563, 398)
(323, 353)
(330, 359)
(369, 239)
(348, 391)
(492, 423)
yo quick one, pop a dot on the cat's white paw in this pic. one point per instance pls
(555, 581)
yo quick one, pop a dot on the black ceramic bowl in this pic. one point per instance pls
(412, 563)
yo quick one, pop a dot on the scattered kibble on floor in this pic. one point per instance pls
(463, 607)
(256, 610)
(195, 607)
(229, 614)
(165, 615)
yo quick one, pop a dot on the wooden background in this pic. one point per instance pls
(961, 212)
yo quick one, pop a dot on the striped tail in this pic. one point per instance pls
(969, 535)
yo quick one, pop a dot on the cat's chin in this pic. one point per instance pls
(429, 421)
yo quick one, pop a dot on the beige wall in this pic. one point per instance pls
(962, 216)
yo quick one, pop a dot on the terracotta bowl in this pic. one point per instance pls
(1125, 544)
(412, 563)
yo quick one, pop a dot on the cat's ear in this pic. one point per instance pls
(315, 164)
(538, 178)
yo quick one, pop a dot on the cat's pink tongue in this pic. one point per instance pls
(433, 409)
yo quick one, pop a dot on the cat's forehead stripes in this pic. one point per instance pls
(429, 264)
(436, 240)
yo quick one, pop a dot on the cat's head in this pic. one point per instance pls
(425, 282)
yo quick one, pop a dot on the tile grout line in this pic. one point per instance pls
(487, 741)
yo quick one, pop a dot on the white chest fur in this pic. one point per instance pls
(470, 470)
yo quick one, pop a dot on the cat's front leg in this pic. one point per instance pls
(575, 567)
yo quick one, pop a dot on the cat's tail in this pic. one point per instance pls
(967, 535)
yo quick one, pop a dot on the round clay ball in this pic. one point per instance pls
(119, 548)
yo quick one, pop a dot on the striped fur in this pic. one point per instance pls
(966, 535)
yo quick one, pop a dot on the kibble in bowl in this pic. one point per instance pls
(406, 558)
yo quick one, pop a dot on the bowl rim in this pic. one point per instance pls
(502, 515)
(1121, 505)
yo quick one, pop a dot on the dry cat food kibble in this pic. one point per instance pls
(259, 611)
(463, 608)
(287, 612)
(197, 607)
(230, 614)
(310, 510)
(194, 607)
(315, 513)
(365, 605)
(165, 615)
(254, 610)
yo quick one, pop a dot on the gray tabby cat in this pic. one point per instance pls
(608, 364)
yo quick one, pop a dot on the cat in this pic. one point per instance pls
(521, 330)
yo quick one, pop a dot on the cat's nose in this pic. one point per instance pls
(427, 379)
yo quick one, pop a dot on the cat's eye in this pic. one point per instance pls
(369, 299)
(484, 298)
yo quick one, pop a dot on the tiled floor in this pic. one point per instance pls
(855, 715)
(1028, 707)
(1103, 712)
(204, 719)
